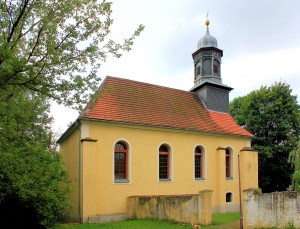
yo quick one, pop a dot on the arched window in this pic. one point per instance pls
(164, 162)
(216, 68)
(228, 197)
(121, 161)
(198, 70)
(206, 67)
(228, 161)
(199, 162)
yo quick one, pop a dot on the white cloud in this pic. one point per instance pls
(249, 72)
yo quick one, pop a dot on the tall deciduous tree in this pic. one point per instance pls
(55, 47)
(49, 49)
(34, 184)
(295, 158)
(272, 115)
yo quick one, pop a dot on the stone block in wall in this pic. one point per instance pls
(277, 209)
(194, 208)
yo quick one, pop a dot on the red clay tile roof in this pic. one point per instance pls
(133, 102)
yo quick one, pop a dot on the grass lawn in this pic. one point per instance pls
(131, 224)
(224, 221)
(229, 220)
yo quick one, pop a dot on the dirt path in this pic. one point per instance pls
(233, 225)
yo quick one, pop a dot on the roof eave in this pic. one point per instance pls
(166, 127)
(223, 86)
(207, 48)
(69, 131)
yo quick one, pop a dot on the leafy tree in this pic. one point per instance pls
(48, 50)
(33, 181)
(55, 47)
(295, 158)
(272, 115)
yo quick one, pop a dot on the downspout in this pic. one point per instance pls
(240, 193)
(79, 171)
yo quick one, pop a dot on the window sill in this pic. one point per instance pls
(229, 178)
(165, 180)
(121, 181)
(200, 179)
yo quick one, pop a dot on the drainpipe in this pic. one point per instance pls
(240, 191)
(79, 171)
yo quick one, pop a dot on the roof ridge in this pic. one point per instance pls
(149, 84)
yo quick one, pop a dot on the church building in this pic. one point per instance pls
(138, 138)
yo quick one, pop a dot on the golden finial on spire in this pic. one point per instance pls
(207, 21)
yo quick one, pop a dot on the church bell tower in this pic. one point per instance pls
(207, 74)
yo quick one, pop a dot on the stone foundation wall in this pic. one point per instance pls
(105, 218)
(195, 209)
(277, 209)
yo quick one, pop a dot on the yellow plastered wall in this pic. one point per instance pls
(249, 168)
(101, 196)
(70, 155)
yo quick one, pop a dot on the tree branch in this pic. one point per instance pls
(16, 23)
(30, 87)
(32, 79)
(36, 42)
(68, 34)
(33, 25)
(21, 26)
(8, 14)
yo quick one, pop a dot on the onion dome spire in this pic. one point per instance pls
(207, 40)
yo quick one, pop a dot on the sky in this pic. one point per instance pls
(260, 40)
